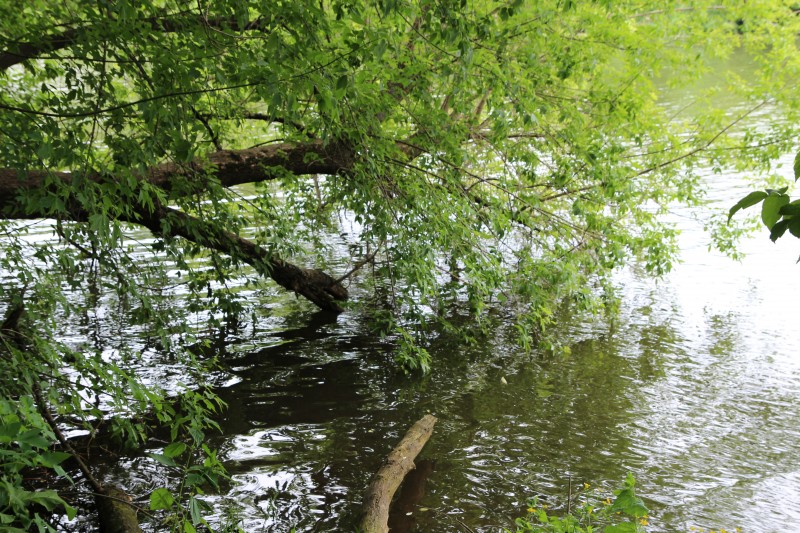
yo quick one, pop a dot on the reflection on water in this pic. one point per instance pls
(694, 388)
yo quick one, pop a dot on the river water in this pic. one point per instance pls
(694, 388)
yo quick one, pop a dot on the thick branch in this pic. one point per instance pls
(315, 285)
(231, 167)
(386, 481)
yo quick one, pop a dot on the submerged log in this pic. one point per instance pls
(402, 518)
(384, 484)
(117, 513)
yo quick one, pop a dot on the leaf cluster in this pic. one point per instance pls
(625, 514)
(779, 212)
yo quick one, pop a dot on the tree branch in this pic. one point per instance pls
(231, 167)
(19, 52)
(315, 285)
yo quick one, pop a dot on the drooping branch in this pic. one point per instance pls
(316, 286)
(231, 168)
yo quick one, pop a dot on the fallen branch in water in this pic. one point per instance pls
(384, 484)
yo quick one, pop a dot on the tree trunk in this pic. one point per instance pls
(384, 484)
(229, 168)
(315, 285)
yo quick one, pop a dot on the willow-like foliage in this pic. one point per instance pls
(476, 157)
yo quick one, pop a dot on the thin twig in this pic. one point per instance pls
(45, 412)
(359, 265)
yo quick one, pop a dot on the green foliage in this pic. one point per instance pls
(24, 444)
(778, 211)
(488, 157)
(625, 514)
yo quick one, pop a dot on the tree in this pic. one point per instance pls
(489, 155)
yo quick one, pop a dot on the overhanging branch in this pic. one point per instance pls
(18, 52)
(231, 167)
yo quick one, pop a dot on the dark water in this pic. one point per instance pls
(694, 388)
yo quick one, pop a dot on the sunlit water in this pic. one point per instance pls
(694, 388)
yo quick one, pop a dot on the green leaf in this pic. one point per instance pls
(794, 227)
(174, 449)
(33, 438)
(10, 529)
(770, 210)
(779, 229)
(183, 150)
(9, 431)
(628, 503)
(196, 510)
(188, 527)
(163, 459)
(791, 209)
(797, 166)
(49, 499)
(52, 459)
(161, 499)
(751, 199)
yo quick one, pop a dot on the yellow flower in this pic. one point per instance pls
(643, 521)
(531, 510)
(586, 485)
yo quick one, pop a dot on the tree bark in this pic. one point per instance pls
(384, 484)
(230, 167)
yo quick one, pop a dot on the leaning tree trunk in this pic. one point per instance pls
(229, 167)
(384, 484)
(315, 285)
